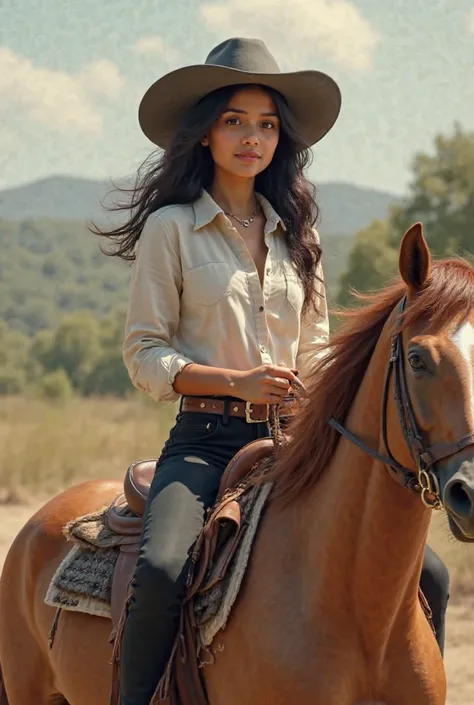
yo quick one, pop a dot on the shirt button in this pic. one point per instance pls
(268, 270)
(261, 309)
(263, 348)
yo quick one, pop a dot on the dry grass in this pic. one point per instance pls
(46, 446)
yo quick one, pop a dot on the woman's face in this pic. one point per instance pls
(244, 138)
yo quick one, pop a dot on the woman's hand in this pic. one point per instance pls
(267, 384)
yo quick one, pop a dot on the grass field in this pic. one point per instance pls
(45, 447)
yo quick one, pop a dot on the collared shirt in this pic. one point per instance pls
(196, 297)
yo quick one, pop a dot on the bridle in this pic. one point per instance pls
(425, 481)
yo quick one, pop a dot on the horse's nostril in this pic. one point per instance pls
(459, 500)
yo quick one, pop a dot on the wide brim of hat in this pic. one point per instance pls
(313, 97)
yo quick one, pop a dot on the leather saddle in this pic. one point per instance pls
(136, 488)
(140, 474)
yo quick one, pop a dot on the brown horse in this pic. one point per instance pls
(329, 612)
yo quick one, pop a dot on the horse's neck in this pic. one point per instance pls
(368, 533)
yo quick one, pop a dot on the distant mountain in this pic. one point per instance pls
(60, 197)
(345, 208)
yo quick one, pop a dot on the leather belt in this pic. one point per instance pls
(252, 413)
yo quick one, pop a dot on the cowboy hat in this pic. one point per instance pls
(313, 97)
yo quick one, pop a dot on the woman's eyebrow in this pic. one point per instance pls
(244, 112)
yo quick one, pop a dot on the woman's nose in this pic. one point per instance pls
(251, 137)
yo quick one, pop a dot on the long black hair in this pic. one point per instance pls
(178, 175)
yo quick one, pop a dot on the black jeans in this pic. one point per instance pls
(185, 485)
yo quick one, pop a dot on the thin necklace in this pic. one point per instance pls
(244, 221)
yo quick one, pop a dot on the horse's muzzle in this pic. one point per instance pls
(458, 498)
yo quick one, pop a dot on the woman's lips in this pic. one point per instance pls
(248, 157)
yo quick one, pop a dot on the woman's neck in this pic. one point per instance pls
(234, 195)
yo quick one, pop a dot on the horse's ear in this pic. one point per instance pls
(415, 259)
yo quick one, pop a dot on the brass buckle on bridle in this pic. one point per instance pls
(430, 492)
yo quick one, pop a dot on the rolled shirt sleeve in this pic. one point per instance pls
(154, 312)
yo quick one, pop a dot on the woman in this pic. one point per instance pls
(227, 298)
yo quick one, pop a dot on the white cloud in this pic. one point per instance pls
(103, 78)
(156, 46)
(298, 29)
(62, 101)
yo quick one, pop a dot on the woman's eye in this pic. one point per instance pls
(232, 121)
(416, 362)
(268, 125)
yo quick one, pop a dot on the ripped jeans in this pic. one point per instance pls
(186, 483)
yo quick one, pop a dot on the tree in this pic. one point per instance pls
(14, 347)
(86, 351)
(14, 353)
(109, 375)
(74, 347)
(441, 196)
(372, 261)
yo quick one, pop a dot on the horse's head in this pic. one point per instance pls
(437, 363)
(418, 332)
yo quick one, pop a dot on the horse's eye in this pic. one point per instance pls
(416, 362)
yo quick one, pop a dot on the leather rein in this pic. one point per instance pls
(425, 480)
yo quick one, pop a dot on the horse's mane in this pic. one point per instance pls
(338, 374)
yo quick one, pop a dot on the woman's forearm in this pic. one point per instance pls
(201, 380)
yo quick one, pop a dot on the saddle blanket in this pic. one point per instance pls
(83, 580)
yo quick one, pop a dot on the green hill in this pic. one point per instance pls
(50, 264)
(51, 267)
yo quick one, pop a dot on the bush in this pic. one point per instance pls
(12, 380)
(55, 385)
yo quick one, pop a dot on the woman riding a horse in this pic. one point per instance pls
(227, 303)
(227, 314)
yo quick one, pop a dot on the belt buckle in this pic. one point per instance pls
(248, 413)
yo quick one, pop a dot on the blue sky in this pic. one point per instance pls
(72, 73)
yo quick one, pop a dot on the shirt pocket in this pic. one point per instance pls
(294, 289)
(208, 284)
